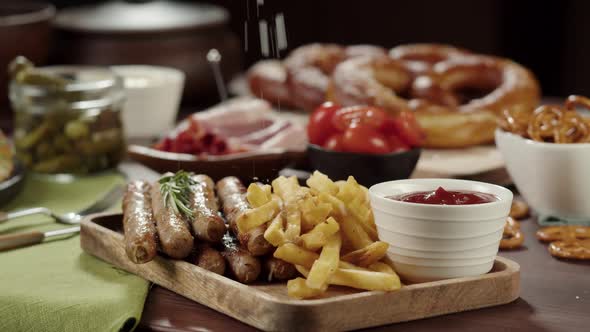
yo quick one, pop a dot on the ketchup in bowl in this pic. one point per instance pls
(441, 196)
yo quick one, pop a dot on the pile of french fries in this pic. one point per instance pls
(326, 230)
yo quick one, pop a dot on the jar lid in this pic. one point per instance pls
(83, 87)
(137, 16)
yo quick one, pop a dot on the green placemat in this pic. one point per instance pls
(55, 286)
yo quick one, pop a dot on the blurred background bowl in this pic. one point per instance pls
(152, 99)
(25, 29)
(10, 187)
(553, 178)
(368, 169)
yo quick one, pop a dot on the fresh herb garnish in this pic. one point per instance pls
(176, 191)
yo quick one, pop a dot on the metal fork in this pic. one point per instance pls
(71, 218)
(12, 241)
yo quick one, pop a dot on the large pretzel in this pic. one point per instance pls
(441, 79)
(303, 78)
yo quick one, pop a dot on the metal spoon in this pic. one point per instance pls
(214, 59)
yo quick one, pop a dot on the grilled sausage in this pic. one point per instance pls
(175, 237)
(138, 223)
(278, 269)
(207, 224)
(210, 259)
(232, 193)
(243, 266)
(255, 242)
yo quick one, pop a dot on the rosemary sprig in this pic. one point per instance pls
(176, 192)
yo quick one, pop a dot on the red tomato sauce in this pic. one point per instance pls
(441, 196)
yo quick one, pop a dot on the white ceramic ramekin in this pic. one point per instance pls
(433, 242)
(553, 178)
(152, 98)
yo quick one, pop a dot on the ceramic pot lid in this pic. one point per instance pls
(137, 16)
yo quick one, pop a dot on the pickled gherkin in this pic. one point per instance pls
(67, 119)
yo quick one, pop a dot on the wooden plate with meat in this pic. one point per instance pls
(256, 253)
(248, 166)
(267, 306)
(242, 137)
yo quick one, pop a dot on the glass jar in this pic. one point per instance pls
(67, 119)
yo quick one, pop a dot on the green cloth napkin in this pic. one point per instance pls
(55, 286)
(558, 221)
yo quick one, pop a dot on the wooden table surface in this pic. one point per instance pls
(555, 296)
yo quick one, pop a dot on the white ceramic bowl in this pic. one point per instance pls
(553, 178)
(421, 273)
(485, 251)
(152, 98)
(432, 242)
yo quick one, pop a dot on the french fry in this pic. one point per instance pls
(381, 267)
(325, 266)
(319, 235)
(290, 192)
(354, 232)
(274, 233)
(347, 265)
(338, 206)
(364, 217)
(313, 212)
(335, 217)
(296, 255)
(360, 279)
(293, 217)
(298, 289)
(285, 187)
(255, 217)
(258, 195)
(367, 255)
(322, 183)
(349, 190)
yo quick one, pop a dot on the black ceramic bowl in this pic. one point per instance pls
(11, 186)
(367, 169)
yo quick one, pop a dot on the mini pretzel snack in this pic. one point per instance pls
(512, 238)
(519, 209)
(551, 123)
(570, 242)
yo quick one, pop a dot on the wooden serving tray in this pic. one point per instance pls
(267, 306)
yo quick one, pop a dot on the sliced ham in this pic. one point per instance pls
(243, 124)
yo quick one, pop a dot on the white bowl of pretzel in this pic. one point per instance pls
(547, 153)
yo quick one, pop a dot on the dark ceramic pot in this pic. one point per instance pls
(161, 33)
(367, 169)
(25, 29)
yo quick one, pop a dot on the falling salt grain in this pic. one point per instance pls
(281, 31)
(264, 44)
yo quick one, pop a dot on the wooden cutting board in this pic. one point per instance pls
(267, 306)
